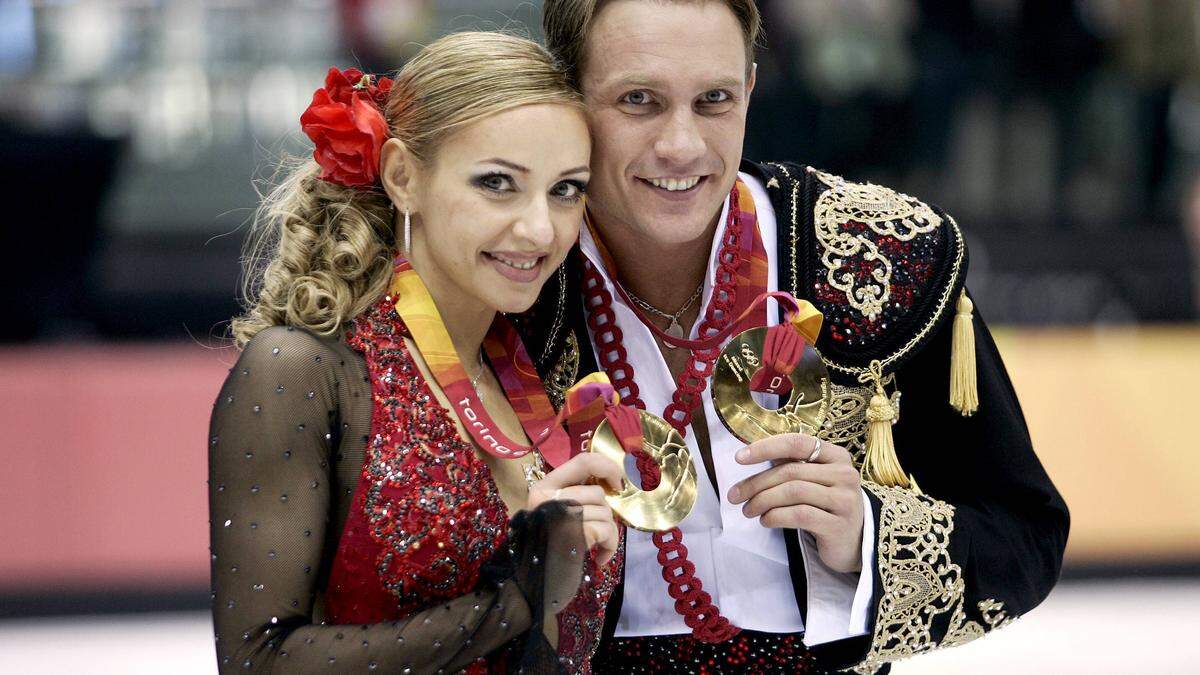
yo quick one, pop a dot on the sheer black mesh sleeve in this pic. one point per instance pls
(273, 506)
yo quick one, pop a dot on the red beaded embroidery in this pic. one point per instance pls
(426, 514)
(691, 601)
(749, 652)
(912, 263)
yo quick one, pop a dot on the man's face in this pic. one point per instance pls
(667, 93)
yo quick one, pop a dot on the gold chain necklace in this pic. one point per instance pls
(674, 329)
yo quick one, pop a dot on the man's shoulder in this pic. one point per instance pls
(883, 267)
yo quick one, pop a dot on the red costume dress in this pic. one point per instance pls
(330, 510)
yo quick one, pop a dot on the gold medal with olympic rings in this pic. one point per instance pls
(805, 411)
(667, 505)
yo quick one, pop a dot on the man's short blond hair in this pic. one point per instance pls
(566, 23)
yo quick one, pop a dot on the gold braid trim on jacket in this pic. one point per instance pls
(919, 580)
(564, 373)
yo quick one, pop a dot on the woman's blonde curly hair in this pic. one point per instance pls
(319, 253)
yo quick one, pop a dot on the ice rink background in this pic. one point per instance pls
(1084, 628)
(1064, 136)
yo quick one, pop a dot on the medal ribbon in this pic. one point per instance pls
(587, 402)
(784, 343)
(741, 262)
(741, 275)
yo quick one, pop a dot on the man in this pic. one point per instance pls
(790, 561)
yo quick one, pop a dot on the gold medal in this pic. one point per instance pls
(807, 407)
(667, 505)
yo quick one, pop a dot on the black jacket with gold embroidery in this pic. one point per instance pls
(970, 529)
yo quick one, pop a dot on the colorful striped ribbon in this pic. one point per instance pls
(784, 343)
(586, 403)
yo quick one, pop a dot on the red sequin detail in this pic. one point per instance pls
(426, 514)
(748, 652)
(912, 264)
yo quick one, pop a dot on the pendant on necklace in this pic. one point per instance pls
(675, 331)
(534, 471)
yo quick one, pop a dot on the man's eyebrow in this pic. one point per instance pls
(639, 80)
(727, 83)
(632, 80)
(505, 163)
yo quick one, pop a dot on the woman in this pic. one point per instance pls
(357, 522)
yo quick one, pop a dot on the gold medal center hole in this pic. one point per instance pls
(631, 471)
(769, 401)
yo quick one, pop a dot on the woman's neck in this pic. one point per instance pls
(467, 320)
(467, 327)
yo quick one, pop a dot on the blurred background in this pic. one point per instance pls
(1064, 135)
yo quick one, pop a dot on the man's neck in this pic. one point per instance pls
(665, 275)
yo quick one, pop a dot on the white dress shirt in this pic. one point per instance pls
(743, 565)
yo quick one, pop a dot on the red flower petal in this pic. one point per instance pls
(339, 86)
(347, 128)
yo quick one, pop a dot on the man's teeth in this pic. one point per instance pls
(518, 265)
(674, 184)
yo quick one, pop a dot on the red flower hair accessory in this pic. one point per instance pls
(347, 126)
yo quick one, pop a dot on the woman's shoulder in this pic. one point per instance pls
(288, 346)
(291, 354)
(289, 377)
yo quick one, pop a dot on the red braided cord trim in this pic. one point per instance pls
(603, 324)
(695, 605)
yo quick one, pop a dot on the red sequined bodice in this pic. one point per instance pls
(427, 514)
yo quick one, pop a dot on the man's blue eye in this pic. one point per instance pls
(636, 97)
(716, 96)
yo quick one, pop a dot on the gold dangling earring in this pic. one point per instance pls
(407, 234)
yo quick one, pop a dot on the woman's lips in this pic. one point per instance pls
(516, 267)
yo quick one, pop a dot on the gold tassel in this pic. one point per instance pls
(964, 394)
(881, 464)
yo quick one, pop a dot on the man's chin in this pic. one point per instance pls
(673, 230)
(671, 221)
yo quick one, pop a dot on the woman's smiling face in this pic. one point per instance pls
(498, 207)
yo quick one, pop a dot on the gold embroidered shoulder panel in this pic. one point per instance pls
(880, 265)
(853, 224)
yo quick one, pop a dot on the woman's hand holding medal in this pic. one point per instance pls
(583, 480)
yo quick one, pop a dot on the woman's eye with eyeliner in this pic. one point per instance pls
(495, 182)
(570, 191)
